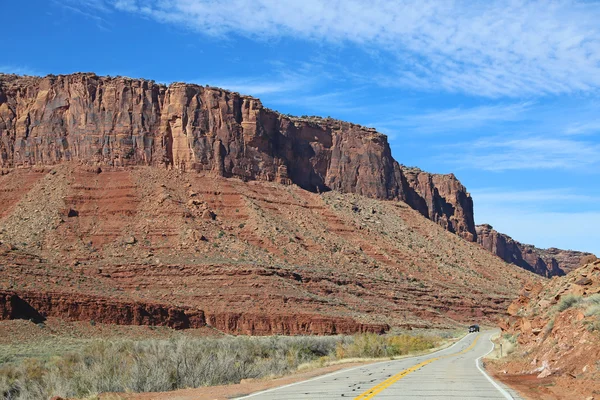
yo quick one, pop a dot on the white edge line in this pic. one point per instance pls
(500, 389)
(346, 370)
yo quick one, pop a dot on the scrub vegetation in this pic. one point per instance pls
(163, 365)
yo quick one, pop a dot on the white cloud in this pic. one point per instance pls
(88, 9)
(280, 80)
(455, 120)
(495, 48)
(584, 128)
(503, 196)
(257, 86)
(502, 153)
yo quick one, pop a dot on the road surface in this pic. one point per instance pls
(453, 373)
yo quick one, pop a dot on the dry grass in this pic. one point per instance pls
(163, 365)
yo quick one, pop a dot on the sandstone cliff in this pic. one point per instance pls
(115, 122)
(442, 199)
(545, 262)
(36, 306)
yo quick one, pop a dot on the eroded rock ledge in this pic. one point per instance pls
(37, 306)
(127, 122)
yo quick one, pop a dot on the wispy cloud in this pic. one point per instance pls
(503, 153)
(256, 87)
(334, 102)
(89, 9)
(584, 128)
(454, 120)
(506, 196)
(495, 48)
(277, 82)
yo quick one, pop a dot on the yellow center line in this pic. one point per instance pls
(369, 394)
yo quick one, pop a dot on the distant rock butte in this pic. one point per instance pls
(545, 262)
(119, 121)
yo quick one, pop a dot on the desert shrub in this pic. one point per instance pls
(593, 299)
(592, 326)
(163, 365)
(159, 365)
(593, 310)
(593, 305)
(511, 338)
(374, 346)
(548, 328)
(568, 301)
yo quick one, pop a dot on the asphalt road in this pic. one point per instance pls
(453, 373)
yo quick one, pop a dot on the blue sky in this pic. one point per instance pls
(505, 94)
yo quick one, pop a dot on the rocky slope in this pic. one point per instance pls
(556, 327)
(103, 121)
(545, 262)
(252, 257)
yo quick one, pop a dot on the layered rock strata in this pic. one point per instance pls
(119, 121)
(37, 306)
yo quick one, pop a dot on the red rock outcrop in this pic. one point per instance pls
(442, 199)
(545, 262)
(567, 260)
(37, 306)
(127, 122)
(555, 328)
(293, 324)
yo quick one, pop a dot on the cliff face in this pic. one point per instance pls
(127, 122)
(567, 260)
(545, 262)
(442, 199)
(38, 306)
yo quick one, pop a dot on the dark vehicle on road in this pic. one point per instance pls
(474, 328)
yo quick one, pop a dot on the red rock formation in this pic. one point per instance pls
(294, 324)
(125, 122)
(269, 252)
(555, 327)
(567, 260)
(442, 199)
(545, 262)
(37, 306)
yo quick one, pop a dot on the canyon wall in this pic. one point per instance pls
(545, 262)
(103, 121)
(37, 306)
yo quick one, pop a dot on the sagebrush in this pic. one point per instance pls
(163, 365)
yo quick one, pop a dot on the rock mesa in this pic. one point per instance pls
(119, 121)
